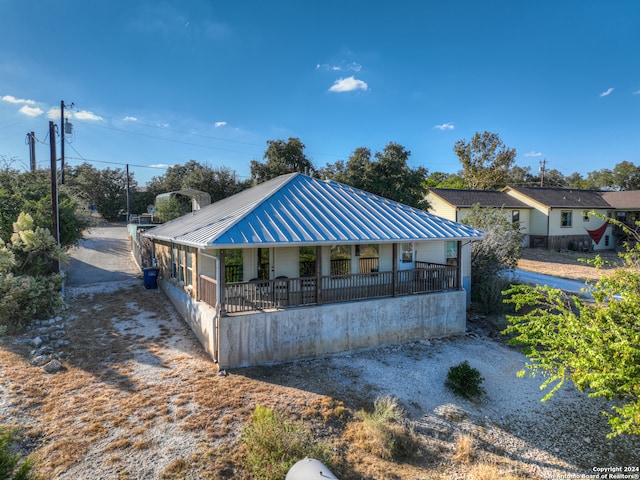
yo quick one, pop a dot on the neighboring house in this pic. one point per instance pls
(298, 267)
(560, 218)
(554, 218)
(626, 205)
(456, 204)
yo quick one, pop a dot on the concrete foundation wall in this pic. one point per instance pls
(309, 332)
(198, 315)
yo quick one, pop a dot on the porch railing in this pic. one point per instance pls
(208, 290)
(292, 292)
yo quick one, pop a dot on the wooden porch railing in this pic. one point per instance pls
(292, 292)
(208, 290)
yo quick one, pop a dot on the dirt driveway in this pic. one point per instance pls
(139, 399)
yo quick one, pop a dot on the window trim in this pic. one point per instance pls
(566, 215)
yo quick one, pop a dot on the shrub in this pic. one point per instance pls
(25, 298)
(465, 381)
(487, 296)
(464, 449)
(274, 444)
(12, 466)
(384, 432)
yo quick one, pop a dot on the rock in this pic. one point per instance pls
(36, 342)
(44, 350)
(53, 366)
(40, 360)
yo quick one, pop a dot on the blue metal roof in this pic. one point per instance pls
(296, 209)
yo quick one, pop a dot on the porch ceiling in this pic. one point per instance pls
(296, 209)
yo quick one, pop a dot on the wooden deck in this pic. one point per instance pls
(294, 292)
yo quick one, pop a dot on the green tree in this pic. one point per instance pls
(12, 465)
(501, 247)
(387, 174)
(593, 344)
(485, 161)
(626, 176)
(444, 180)
(281, 158)
(30, 192)
(105, 189)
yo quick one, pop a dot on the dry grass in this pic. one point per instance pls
(464, 449)
(104, 402)
(564, 264)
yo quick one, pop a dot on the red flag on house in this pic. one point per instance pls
(597, 234)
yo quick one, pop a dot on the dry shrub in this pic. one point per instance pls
(491, 471)
(464, 449)
(385, 432)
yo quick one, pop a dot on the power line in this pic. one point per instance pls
(166, 129)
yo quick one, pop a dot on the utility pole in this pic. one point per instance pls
(543, 164)
(55, 229)
(62, 131)
(128, 203)
(32, 150)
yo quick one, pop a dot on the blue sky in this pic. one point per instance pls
(161, 83)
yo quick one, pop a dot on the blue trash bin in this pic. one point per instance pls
(150, 275)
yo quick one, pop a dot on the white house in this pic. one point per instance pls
(298, 267)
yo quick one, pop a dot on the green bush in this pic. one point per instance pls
(25, 298)
(12, 465)
(487, 295)
(274, 444)
(465, 381)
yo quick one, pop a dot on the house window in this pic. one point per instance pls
(515, 216)
(606, 240)
(565, 218)
(406, 250)
(307, 261)
(189, 265)
(174, 261)
(233, 268)
(341, 260)
(452, 249)
(179, 263)
(585, 216)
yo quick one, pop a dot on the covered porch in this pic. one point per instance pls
(246, 288)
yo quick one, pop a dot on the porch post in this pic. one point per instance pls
(319, 274)
(394, 270)
(222, 282)
(459, 267)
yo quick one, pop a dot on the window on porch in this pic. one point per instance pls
(307, 261)
(233, 265)
(341, 260)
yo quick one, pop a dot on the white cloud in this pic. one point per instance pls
(607, 92)
(160, 165)
(636, 92)
(12, 99)
(348, 85)
(445, 126)
(53, 113)
(352, 67)
(219, 124)
(533, 154)
(31, 111)
(130, 119)
(85, 115)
